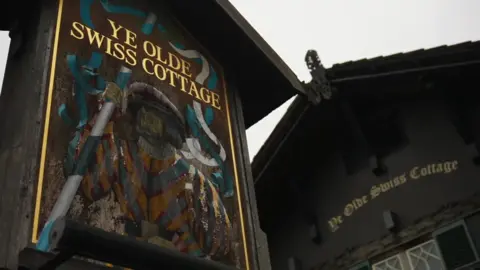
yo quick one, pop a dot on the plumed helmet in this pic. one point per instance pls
(156, 116)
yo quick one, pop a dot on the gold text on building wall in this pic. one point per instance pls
(414, 174)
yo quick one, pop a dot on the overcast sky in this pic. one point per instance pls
(344, 30)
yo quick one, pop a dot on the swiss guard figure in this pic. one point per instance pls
(165, 199)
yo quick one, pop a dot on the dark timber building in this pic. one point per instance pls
(385, 174)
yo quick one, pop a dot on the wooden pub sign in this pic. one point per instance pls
(138, 136)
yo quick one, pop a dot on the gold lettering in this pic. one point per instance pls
(108, 50)
(205, 95)
(159, 55)
(131, 57)
(334, 223)
(173, 58)
(130, 38)
(115, 28)
(455, 165)
(364, 199)
(348, 210)
(216, 101)
(167, 66)
(78, 27)
(438, 168)
(183, 82)
(414, 173)
(403, 178)
(193, 88)
(448, 167)
(375, 191)
(172, 74)
(396, 181)
(149, 48)
(162, 76)
(94, 36)
(385, 187)
(186, 68)
(119, 51)
(359, 202)
(144, 65)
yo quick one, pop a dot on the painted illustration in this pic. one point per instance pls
(139, 139)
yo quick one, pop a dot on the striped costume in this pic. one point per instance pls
(170, 193)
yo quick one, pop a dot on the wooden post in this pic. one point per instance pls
(259, 248)
(23, 112)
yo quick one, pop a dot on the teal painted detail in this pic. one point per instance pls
(217, 179)
(62, 112)
(147, 28)
(43, 243)
(83, 76)
(69, 163)
(111, 8)
(85, 6)
(161, 28)
(209, 115)
(195, 127)
(178, 45)
(122, 79)
(213, 79)
(95, 61)
(85, 14)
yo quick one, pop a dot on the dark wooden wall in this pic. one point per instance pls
(21, 124)
(431, 136)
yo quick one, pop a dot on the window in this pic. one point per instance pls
(397, 262)
(425, 256)
(294, 263)
(451, 248)
(456, 246)
(361, 266)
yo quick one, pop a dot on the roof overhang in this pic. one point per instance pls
(264, 81)
(377, 76)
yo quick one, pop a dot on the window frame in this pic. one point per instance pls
(453, 225)
(432, 240)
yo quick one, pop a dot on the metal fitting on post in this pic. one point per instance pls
(319, 88)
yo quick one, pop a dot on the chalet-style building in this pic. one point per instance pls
(383, 175)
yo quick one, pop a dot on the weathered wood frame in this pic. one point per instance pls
(23, 105)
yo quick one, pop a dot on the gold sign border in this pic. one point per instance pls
(41, 173)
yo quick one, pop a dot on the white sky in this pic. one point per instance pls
(344, 30)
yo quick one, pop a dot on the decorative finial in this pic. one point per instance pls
(312, 60)
(320, 85)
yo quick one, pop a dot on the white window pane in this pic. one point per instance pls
(425, 257)
(392, 263)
